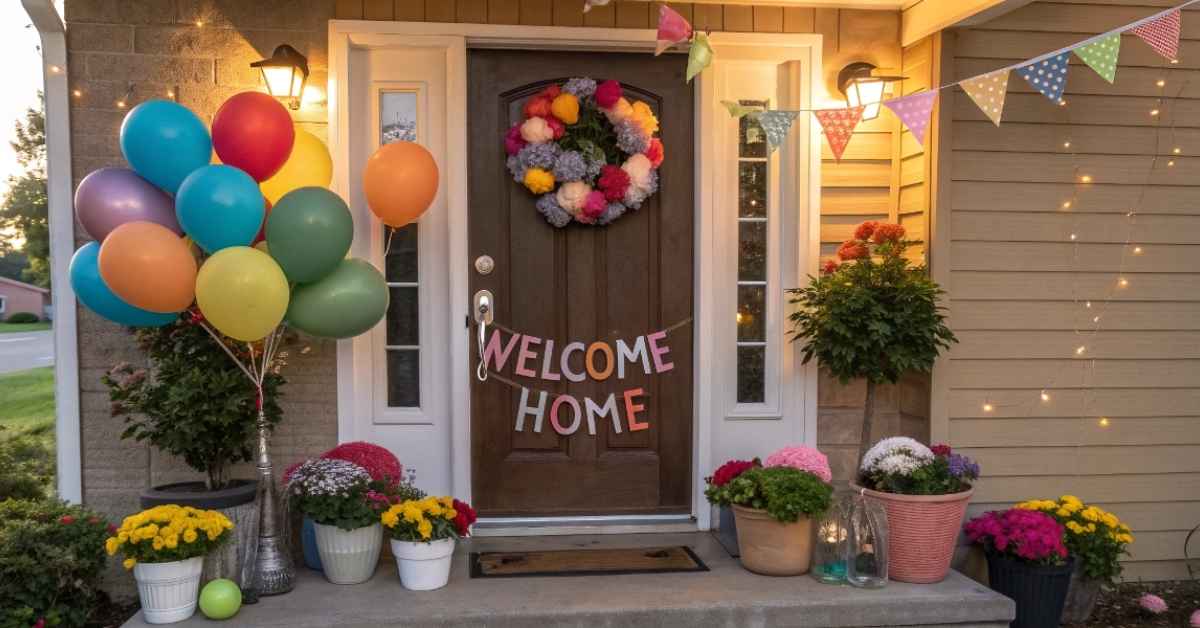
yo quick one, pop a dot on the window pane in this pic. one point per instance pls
(752, 189)
(752, 142)
(401, 262)
(404, 378)
(751, 314)
(402, 326)
(752, 251)
(750, 362)
(397, 117)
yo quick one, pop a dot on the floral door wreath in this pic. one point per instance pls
(587, 151)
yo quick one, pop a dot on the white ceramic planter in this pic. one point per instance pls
(423, 566)
(168, 591)
(349, 557)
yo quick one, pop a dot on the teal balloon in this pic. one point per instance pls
(220, 599)
(164, 142)
(345, 303)
(91, 291)
(309, 232)
(220, 206)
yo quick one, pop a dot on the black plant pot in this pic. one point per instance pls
(194, 494)
(1038, 590)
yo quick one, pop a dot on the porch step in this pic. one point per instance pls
(726, 596)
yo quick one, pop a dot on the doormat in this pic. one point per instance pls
(585, 562)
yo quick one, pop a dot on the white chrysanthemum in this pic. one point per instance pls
(899, 463)
(536, 131)
(572, 195)
(892, 446)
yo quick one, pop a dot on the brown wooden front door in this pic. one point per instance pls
(582, 283)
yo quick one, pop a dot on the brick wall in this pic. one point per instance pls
(127, 51)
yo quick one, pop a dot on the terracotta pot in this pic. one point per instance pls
(1082, 595)
(772, 548)
(923, 531)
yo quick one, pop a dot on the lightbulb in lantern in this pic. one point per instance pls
(120, 104)
(863, 89)
(284, 74)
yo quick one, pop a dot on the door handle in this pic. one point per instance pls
(485, 305)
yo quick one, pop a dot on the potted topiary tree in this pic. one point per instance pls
(194, 403)
(870, 315)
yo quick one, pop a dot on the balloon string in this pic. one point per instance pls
(388, 247)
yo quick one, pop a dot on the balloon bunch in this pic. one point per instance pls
(241, 241)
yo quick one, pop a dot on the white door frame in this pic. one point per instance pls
(801, 189)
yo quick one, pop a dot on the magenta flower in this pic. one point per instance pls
(1028, 535)
(1153, 604)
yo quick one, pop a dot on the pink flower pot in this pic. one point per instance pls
(923, 532)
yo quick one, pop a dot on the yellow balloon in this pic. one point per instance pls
(242, 292)
(308, 165)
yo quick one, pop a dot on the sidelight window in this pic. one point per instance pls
(752, 277)
(398, 122)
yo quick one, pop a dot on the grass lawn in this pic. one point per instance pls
(13, 328)
(27, 402)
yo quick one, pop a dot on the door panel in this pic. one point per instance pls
(583, 283)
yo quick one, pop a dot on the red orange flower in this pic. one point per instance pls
(852, 250)
(888, 233)
(864, 230)
(654, 152)
(829, 267)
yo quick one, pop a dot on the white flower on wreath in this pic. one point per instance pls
(536, 131)
(572, 195)
(900, 454)
(639, 169)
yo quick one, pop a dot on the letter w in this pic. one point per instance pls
(493, 356)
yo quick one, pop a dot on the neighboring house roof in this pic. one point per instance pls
(22, 284)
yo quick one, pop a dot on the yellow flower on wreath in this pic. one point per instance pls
(566, 108)
(644, 117)
(538, 180)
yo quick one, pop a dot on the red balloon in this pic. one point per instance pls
(252, 131)
(262, 231)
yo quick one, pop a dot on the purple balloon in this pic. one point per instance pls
(110, 197)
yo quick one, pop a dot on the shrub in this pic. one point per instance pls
(23, 317)
(786, 493)
(193, 402)
(51, 558)
(26, 467)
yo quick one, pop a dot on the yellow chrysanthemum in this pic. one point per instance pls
(645, 118)
(129, 563)
(566, 108)
(450, 514)
(157, 543)
(425, 528)
(539, 181)
(111, 545)
(1063, 512)
(189, 536)
(171, 541)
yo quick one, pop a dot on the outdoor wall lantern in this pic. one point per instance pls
(285, 74)
(862, 88)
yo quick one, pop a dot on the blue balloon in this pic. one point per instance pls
(90, 290)
(220, 206)
(164, 142)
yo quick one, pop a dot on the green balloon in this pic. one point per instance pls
(346, 302)
(308, 232)
(220, 599)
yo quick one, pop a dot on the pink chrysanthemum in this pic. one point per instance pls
(1195, 620)
(802, 458)
(379, 462)
(608, 93)
(513, 143)
(1152, 604)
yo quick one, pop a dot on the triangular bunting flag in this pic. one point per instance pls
(988, 92)
(913, 110)
(672, 29)
(588, 4)
(1048, 76)
(1101, 56)
(838, 125)
(1162, 34)
(699, 56)
(776, 125)
(737, 109)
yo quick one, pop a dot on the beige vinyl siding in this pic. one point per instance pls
(1018, 285)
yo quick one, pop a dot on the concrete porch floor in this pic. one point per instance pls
(726, 596)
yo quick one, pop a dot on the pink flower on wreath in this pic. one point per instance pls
(852, 250)
(614, 182)
(537, 107)
(829, 267)
(380, 463)
(512, 140)
(1152, 604)
(803, 458)
(654, 152)
(557, 126)
(594, 205)
(864, 230)
(888, 233)
(608, 93)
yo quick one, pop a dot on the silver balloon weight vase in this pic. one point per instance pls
(274, 572)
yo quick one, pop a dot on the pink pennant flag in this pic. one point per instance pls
(913, 110)
(1162, 34)
(672, 29)
(838, 125)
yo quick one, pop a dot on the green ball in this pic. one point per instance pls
(220, 599)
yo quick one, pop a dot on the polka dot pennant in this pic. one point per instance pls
(776, 125)
(913, 110)
(1048, 76)
(1101, 56)
(1162, 34)
(838, 125)
(988, 92)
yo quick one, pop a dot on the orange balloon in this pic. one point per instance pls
(400, 181)
(148, 266)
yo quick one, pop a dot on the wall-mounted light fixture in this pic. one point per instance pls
(862, 88)
(285, 74)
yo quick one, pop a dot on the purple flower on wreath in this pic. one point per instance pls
(548, 206)
(570, 166)
(635, 196)
(631, 139)
(515, 168)
(593, 168)
(580, 87)
(611, 213)
(539, 155)
(962, 466)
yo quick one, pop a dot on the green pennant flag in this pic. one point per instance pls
(737, 109)
(699, 56)
(1101, 56)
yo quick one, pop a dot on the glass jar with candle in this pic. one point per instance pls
(866, 543)
(830, 544)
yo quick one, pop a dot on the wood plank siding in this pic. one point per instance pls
(1121, 426)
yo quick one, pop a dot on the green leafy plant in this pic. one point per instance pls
(51, 558)
(27, 467)
(340, 493)
(23, 317)
(786, 493)
(871, 315)
(193, 401)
